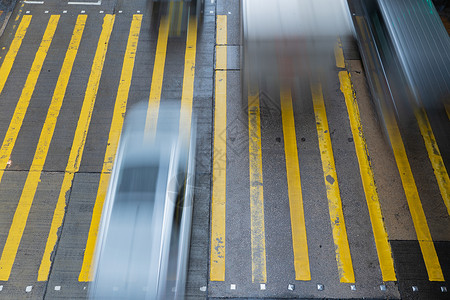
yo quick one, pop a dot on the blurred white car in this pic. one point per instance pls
(143, 242)
(286, 40)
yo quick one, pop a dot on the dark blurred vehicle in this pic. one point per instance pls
(406, 53)
(287, 40)
(143, 241)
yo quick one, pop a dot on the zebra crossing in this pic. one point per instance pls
(60, 133)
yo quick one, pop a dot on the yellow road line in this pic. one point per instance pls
(76, 152)
(13, 49)
(187, 93)
(86, 273)
(440, 172)
(373, 203)
(72, 167)
(343, 257)
(26, 199)
(412, 195)
(447, 110)
(299, 240)
(157, 77)
(218, 202)
(221, 57)
(339, 55)
(415, 207)
(52, 115)
(27, 91)
(25, 97)
(256, 189)
(221, 41)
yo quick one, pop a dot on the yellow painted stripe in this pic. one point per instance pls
(221, 40)
(221, 37)
(299, 240)
(412, 195)
(86, 273)
(339, 54)
(76, 152)
(440, 172)
(221, 57)
(373, 203)
(218, 202)
(157, 77)
(25, 97)
(258, 241)
(26, 199)
(187, 93)
(415, 207)
(13, 49)
(58, 214)
(447, 110)
(52, 115)
(343, 257)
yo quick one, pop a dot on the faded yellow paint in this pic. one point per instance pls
(187, 93)
(258, 239)
(299, 240)
(221, 57)
(26, 199)
(219, 173)
(339, 54)
(120, 106)
(343, 257)
(373, 203)
(157, 77)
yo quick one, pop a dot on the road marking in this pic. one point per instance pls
(440, 172)
(76, 152)
(8, 61)
(343, 257)
(299, 240)
(412, 195)
(27, 92)
(33, 2)
(258, 241)
(50, 123)
(373, 203)
(187, 93)
(339, 55)
(218, 201)
(87, 272)
(24, 205)
(40, 156)
(157, 77)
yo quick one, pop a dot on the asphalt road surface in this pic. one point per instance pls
(298, 194)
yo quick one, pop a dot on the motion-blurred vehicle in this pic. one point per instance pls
(286, 40)
(179, 12)
(406, 53)
(143, 241)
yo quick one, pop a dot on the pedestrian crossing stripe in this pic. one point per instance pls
(259, 272)
(26, 199)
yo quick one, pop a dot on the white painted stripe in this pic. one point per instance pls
(33, 2)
